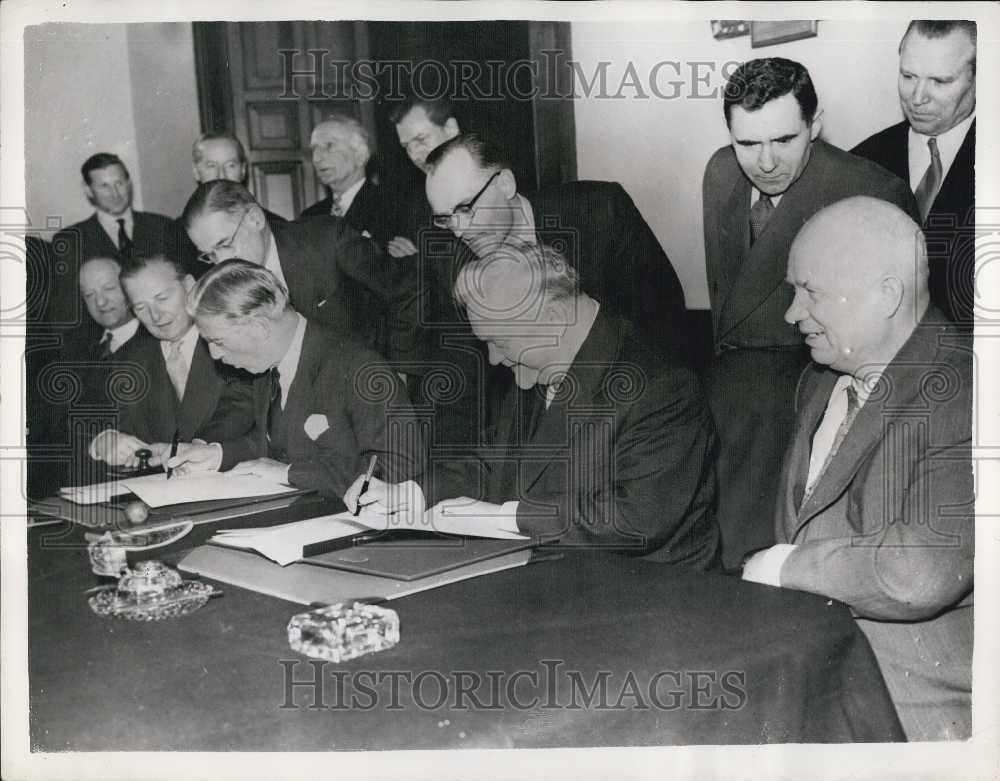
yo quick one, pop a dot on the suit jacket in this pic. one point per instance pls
(751, 388)
(951, 223)
(888, 528)
(187, 253)
(339, 278)
(369, 212)
(151, 233)
(217, 404)
(623, 459)
(344, 405)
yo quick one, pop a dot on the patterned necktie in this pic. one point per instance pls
(124, 242)
(840, 413)
(760, 213)
(928, 188)
(103, 350)
(275, 405)
(177, 368)
(336, 209)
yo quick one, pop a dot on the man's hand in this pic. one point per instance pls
(386, 504)
(463, 515)
(267, 468)
(401, 247)
(194, 456)
(116, 448)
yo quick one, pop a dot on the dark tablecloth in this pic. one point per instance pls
(587, 650)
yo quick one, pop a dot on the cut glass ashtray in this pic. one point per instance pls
(340, 632)
(151, 592)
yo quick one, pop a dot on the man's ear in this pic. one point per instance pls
(507, 182)
(891, 293)
(256, 217)
(87, 192)
(451, 127)
(187, 282)
(817, 125)
(261, 327)
(194, 173)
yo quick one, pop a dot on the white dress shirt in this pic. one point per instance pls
(110, 224)
(948, 144)
(272, 262)
(347, 197)
(289, 364)
(188, 343)
(121, 334)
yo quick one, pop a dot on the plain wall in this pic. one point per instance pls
(658, 147)
(126, 89)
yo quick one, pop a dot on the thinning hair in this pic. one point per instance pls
(236, 289)
(535, 273)
(360, 139)
(130, 267)
(487, 156)
(212, 135)
(438, 110)
(219, 195)
(99, 161)
(114, 259)
(760, 81)
(942, 28)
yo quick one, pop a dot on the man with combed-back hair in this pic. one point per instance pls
(323, 403)
(757, 192)
(600, 442)
(937, 92)
(876, 498)
(333, 274)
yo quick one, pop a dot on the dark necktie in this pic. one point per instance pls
(124, 242)
(336, 209)
(103, 350)
(760, 213)
(275, 406)
(928, 188)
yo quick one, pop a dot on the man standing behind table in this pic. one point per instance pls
(601, 442)
(113, 230)
(341, 149)
(758, 192)
(180, 387)
(876, 499)
(326, 266)
(214, 156)
(934, 149)
(323, 403)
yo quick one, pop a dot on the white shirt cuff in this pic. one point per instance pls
(507, 522)
(214, 465)
(92, 450)
(765, 566)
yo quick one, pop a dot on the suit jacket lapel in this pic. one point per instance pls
(94, 236)
(201, 393)
(294, 259)
(735, 241)
(763, 270)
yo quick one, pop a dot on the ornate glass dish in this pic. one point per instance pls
(151, 592)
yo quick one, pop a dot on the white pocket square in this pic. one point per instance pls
(321, 303)
(365, 235)
(315, 425)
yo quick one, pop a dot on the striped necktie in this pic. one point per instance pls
(760, 213)
(929, 186)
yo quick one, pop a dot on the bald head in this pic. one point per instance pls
(859, 269)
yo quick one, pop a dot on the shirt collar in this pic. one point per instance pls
(110, 224)
(289, 364)
(347, 197)
(272, 262)
(755, 196)
(122, 334)
(188, 343)
(948, 144)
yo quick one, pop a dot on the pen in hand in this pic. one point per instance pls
(364, 485)
(173, 450)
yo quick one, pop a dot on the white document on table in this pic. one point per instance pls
(158, 491)
(284, 543)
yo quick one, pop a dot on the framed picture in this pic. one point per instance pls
(770, 33)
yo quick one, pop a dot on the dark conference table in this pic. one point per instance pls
(588, 649)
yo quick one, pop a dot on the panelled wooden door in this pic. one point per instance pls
(245, 91)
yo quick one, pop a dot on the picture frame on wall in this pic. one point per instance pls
(781, 31)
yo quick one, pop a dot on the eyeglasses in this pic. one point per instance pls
(210, 256)
(463, 210)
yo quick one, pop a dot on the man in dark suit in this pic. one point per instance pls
(341, 150)
(214, 156)
(324, 404)
(114, 230)
(178, 387)
(75, 395)
(601, 442)
(333, 275)
(758, 191)
(934, 149)
(876, 498)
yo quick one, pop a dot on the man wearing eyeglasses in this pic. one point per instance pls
(329, 269)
